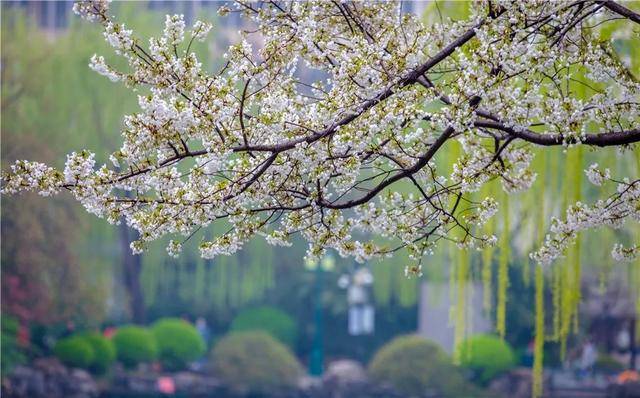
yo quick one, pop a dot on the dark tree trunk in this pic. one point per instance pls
(131, 267)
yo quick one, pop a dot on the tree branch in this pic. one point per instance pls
(622, 10)
(409, 78)
(613, 138)
(422, 161)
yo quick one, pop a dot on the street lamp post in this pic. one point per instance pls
(316, 360)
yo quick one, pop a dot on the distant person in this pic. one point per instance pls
(205, 333)
(587, 359)
(203, 329)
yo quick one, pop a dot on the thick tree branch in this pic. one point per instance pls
(614, 138)
(622, 10)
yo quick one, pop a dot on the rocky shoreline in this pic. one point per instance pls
(48, 378)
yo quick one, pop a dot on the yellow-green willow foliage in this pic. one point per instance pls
(557, 270)
(383, 288)
(503, 266)
(542, 183)
(390, 284)
(637, 284)
(539, 332)
(221, 285)
(487, 254)
(538, 351)
(536, 211)
(460, 266)
(570, 267)
(439, 10)
(461, 308)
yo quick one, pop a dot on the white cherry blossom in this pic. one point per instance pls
(355, 150)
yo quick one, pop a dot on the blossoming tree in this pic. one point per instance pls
(256, 148)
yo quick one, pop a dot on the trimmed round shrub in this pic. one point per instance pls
(417, 366)
(74, 352)
(104, 352)
(486, 356)
(256, 362)
(134, 345)
(178, 343)
(268, 319)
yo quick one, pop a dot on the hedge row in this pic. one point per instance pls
(255, 356)
(172, 341)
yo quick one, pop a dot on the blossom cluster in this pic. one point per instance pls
(264, 148)
(612, 212)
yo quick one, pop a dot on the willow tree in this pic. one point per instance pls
(259, 150)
